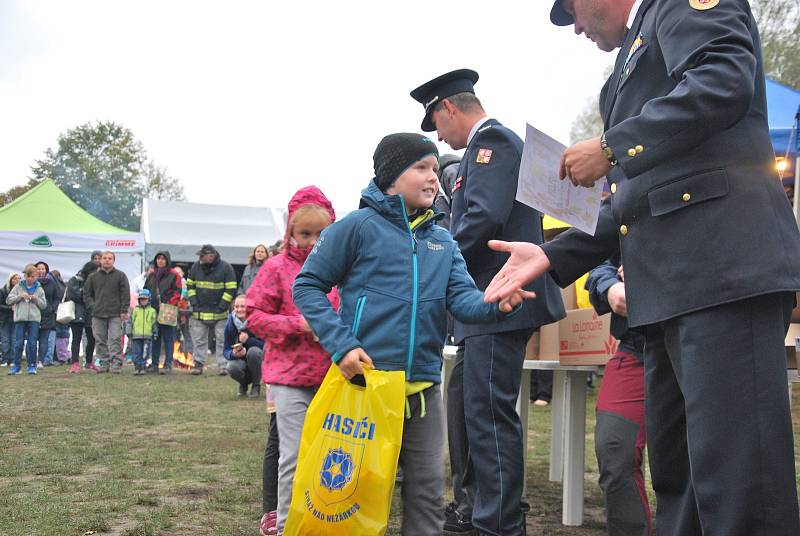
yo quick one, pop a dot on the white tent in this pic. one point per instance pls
(182, 228)
(46, 225)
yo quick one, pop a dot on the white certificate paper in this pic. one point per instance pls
(539, 186)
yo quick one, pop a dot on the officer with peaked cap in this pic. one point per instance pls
(711, 253)
(482, 420)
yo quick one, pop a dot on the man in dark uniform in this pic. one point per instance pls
(711, 255)
(484, 208)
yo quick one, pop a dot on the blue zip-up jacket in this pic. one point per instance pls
(394, 285)
(231, 337)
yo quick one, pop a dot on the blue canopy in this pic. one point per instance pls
(783, 105)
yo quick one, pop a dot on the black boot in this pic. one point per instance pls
(242, 389)
(255, 391)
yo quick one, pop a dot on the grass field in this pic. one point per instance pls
(175, 455)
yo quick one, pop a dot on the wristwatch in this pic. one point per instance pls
(608, 152)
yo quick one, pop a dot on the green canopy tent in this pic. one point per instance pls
(44, 224)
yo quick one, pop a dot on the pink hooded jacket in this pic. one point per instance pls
(291, 355)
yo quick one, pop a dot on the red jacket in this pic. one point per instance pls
(291, 355)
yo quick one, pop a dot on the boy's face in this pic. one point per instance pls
(143, 302)
(418, 184)
(30, 278)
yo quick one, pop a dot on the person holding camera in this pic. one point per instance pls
(243, 350)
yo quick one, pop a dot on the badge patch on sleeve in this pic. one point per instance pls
(457, 185)
(484, 156)
(702, 5)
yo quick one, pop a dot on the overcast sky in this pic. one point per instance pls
(245, 102)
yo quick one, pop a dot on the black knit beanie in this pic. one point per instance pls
(396, 153)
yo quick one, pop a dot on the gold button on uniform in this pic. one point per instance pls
(613, 188)
(623, 230)
(639, 148)
(686, 197)
(631, 152)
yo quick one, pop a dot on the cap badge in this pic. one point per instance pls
(702, 5)
(433, 100)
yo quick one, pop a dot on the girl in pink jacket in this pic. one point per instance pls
(294, 362)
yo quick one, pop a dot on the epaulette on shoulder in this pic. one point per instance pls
(487, 127)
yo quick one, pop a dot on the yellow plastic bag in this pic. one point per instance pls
(348, 456)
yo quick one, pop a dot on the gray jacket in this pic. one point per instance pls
(27, 311)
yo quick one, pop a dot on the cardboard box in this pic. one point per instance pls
(585, 338)
(569, 297)
(796, 310)
(543, 346)
(791, 345)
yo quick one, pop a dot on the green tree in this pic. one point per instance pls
(160, 185)
(104, 169)
(588, 122)
(13, 193)
(779, 27)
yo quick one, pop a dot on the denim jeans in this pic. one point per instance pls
(25, 331)
(7, 342)
(137, 353)
(45, 350)
(166, 337)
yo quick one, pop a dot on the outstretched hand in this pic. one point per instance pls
(527, 263)
(351, 364)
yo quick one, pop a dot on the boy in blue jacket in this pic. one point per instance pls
(398, 273)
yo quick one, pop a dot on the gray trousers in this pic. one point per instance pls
(291, 405)
(248, 370)
(422, 461)
(199, 331)
(460, 467)
(108, 337)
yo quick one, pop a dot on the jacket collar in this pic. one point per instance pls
(392, 207)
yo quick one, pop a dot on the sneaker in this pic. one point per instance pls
(450, 508)
(92, 367)
(255, 391)
(165, 370)
(242, 390)
(269, 524)
(197, 369)
(13, 370)
(222, 372)
(541, 403)
(32, 370)
(456, 524)
(39, 365)
(74, 368)
(3, 364)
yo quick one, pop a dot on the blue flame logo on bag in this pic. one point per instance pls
(337, 469)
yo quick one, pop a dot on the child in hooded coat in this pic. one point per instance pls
(294, 362)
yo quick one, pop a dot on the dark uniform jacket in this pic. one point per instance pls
(484, 207)
(697, 208)
(211, 289)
